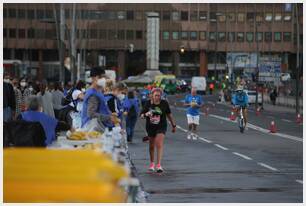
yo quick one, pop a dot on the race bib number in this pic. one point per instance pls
(155, 119)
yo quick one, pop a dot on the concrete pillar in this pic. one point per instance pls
(176, 61)
(121, 64)
(40, 65)
(203, 63)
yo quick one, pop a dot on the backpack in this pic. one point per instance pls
(132, 112)
(68, 98)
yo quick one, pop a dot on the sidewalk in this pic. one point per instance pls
(289, 102)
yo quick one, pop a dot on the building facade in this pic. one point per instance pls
(195, 39)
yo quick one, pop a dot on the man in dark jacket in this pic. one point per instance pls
(9, 103)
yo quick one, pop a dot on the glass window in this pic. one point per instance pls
(21, 13)
(231, 36)
(130, 15)
(175, 16)
(21, 33)
(121, 15)
(250, 36)
(67, 13)
(287, 17)
(240, 36)
(165, 35)
(213, 16)
(129, 34)
(31, 14)
(12, 13)
(111, 15)
(278, 17)
(166, 15)
(121, 34)
(184, 35)
(93, 34)
(51, 34)
(268, 36)
(40, 33)
(221, 36)
(250, 16)
(4, 13)
(241, 17)
(202, 35)
(112, 34)
(287, 36)
(193, 35)
(175, 35)
(102, 34)
(221, 17)
(277, 36)
(84, 34)
(31, 33)
(4, 32)
(268, 17)
(194, 15)
(202, 15)
(138, 15)
(184, 15)
(138, 34)
(231, 17)
(12, 33)
(259, 36)
(40, 14)
(49, 14)
(84, 14)
(259, 17)
(212, 36)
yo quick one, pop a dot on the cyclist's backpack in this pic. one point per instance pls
(68, 98)
(240, 96)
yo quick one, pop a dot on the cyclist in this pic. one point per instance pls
(240, 99)
(156, 113)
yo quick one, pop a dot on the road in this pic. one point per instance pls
(223, 165)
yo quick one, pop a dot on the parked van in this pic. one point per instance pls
(200, 84)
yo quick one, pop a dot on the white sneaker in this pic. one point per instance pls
(194, 136)
(189, 136)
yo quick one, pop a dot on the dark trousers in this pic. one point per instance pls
(130, 125)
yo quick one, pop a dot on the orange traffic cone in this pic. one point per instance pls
(298, 119)
(257, 111)
(272, 127)
(232, 117)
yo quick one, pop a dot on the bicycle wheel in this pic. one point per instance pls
(241, 125)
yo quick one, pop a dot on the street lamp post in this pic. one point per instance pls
(257, 69)
(297, 108)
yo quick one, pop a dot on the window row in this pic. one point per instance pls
(229, 36)
(165, 15)
(80, 34)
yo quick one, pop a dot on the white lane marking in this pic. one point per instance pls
(224, 148)
(299, 181)
(179, 127)
(243, 156)
(267, 166)
(205, 140)
(249, 125)
(286, 120)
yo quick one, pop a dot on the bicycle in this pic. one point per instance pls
(240, 119)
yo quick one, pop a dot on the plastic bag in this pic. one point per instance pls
(76, 119)
(93, 125)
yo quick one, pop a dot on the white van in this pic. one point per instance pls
(200, 84)
(109, 73)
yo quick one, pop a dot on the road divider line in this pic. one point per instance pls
(179, 127)
(205, 140)
(286, 120)
(243, 156)
(224, 148)
(249, 125)
(299, 181)
(267, 166)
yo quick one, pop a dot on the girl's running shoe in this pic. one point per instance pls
(152, 167)
(159, 169)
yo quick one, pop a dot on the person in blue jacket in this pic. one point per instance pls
(50, 124)
(131, 109)
(240, 99)
(193, 102)
(95, 111)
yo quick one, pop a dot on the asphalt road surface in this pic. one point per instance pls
(223, 165)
